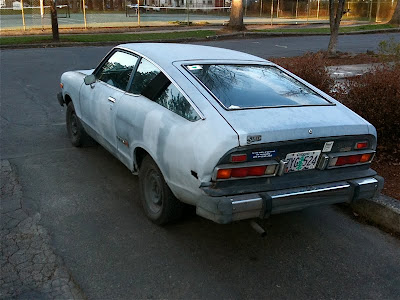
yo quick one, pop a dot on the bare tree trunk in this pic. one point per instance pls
(236, 17)
(54, 21)
(97, 4)
(335, 16)
(396, 15)
(74, 6)
(119, 4)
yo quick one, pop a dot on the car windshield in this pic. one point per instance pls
(250, 86)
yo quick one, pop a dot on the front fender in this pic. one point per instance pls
(72, 82)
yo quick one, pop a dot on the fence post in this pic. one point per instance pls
(272, 11)
(84, 13)
(318, 10)
(277, 10)
(187, 12)
(261, 7)
(378, 9)
(370, 11)
(138, 13)
(23, 15)
(297, 8)
(41, 13)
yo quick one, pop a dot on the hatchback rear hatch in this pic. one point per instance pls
(293, 123)
(264, 103)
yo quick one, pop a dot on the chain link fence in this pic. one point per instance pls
(34, 14)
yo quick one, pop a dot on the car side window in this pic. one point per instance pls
(118, 69)
(150, 82)
(145, 73)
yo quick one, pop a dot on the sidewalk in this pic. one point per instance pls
(29, 267)
(345, 71)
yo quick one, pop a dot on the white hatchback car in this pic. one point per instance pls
(230, 133)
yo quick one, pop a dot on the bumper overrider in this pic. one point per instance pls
(261, 205)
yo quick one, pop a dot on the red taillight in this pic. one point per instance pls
(361, 145)
(239, 172)
(246, 172)
(341, 161)
(348, 160)
(353, 159)
(257, 171)
(238, 157)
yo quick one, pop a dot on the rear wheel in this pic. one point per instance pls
(159, 203)
(76, 133)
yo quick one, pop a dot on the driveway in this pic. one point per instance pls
(89, 203)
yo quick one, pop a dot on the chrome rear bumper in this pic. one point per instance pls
(261, 205)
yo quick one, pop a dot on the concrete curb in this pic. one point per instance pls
(382, 210)
(244, 35)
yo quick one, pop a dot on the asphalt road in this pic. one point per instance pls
(89, 202)
(292, 46)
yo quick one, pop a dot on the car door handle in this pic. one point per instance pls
(111, 99)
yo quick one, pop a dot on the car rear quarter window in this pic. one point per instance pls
(150, 82)
(172, 99)
(118, 69)
(252, 86)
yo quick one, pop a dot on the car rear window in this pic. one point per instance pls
(251, 86)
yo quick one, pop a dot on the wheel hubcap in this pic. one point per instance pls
(74, 124)
(153, 191)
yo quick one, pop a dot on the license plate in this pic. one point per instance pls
(299, 161)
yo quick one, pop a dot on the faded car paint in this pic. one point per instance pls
(182, 148)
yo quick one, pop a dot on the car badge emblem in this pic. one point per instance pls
(310, 131)
(253, 138)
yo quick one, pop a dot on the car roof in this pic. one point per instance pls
(164, 54)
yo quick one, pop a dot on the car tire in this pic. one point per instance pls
(76, 133)
(159, 203)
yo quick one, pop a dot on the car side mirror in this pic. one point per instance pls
(90, 79)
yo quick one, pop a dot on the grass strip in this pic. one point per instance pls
(132, 37)
(342, 29)
(10, 40)
(110, 37)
